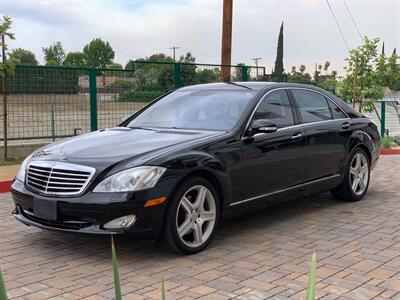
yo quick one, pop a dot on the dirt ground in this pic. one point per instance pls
(8, 172)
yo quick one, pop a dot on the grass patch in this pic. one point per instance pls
(386, 142)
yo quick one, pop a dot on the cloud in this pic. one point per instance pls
(140, 28)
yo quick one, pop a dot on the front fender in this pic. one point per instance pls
(198, 163)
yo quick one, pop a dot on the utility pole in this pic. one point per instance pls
(3, 43)
(173, 50)
(256, 63)
(226, 49)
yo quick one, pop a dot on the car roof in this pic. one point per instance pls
(244, 85)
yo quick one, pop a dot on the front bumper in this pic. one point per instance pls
(88, 213)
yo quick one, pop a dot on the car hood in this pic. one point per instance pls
(103, 148)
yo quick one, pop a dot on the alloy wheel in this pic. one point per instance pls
(359, 173)
(196, 216)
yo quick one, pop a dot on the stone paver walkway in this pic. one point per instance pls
(263, 255)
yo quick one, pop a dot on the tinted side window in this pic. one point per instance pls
(313, 107)
(337, 113)
(275, 107)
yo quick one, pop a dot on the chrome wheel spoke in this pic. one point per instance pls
(353, 171)
(201, 196)
(198, 233)
(364, 169)
(185, 228)
(207, 215)
(361, 184)
(187, 205)
(355, 184)
(358, 161)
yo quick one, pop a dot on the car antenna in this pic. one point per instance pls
(241, 85)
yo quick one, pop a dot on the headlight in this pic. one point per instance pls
(22, 170)
(131, 180)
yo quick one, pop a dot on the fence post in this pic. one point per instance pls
(244, 73)
(383, 114)
(177, 75)
(93, 99)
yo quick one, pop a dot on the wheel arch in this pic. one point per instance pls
(215, 180)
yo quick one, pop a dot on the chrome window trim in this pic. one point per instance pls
(255, 108)
(283, 190)
(317, 92)
(296, 125)
(63, 166)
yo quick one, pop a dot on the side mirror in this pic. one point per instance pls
(263, 126)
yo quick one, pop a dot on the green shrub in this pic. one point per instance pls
(123, 84)
(162, 289)
(386, 142)
(312, 278)
(3, 294)
(117, 285)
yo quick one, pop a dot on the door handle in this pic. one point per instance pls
(346, 125)
(297, 136)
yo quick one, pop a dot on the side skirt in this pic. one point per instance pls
(301, 190)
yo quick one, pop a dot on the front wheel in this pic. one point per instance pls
(356, 179)
(192, 217)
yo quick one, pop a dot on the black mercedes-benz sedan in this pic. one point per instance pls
(171, 170)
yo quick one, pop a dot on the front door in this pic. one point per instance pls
(273, 161)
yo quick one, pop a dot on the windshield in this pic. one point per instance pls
(196, 109)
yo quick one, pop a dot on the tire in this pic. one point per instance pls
(188, 226)
(356, 178)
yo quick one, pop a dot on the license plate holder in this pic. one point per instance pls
(45, 209)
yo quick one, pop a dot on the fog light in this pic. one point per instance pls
(121, 223)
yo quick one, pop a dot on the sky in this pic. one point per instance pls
(140, 28)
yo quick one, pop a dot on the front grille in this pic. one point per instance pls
(57, 178)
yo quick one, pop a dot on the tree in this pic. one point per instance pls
(278, 70)
(393, 72)
(299, 77)
(54, 55)
(326, 66)
(130, 65)
(188, 71)
(75, 59)
(7, 68)
(362, 82)
(23, 57)
(116, 66)
(98, 54)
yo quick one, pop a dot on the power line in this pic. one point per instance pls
(353, 20)
(338, 26)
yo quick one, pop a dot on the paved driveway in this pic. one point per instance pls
(259, 256)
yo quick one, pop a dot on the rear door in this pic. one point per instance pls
(327, 129)
(273, 161)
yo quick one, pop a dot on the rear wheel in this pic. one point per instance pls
(356, 180)
(192, 217)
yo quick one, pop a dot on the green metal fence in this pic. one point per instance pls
(387, 116)
(55, 102)
(46, 103)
